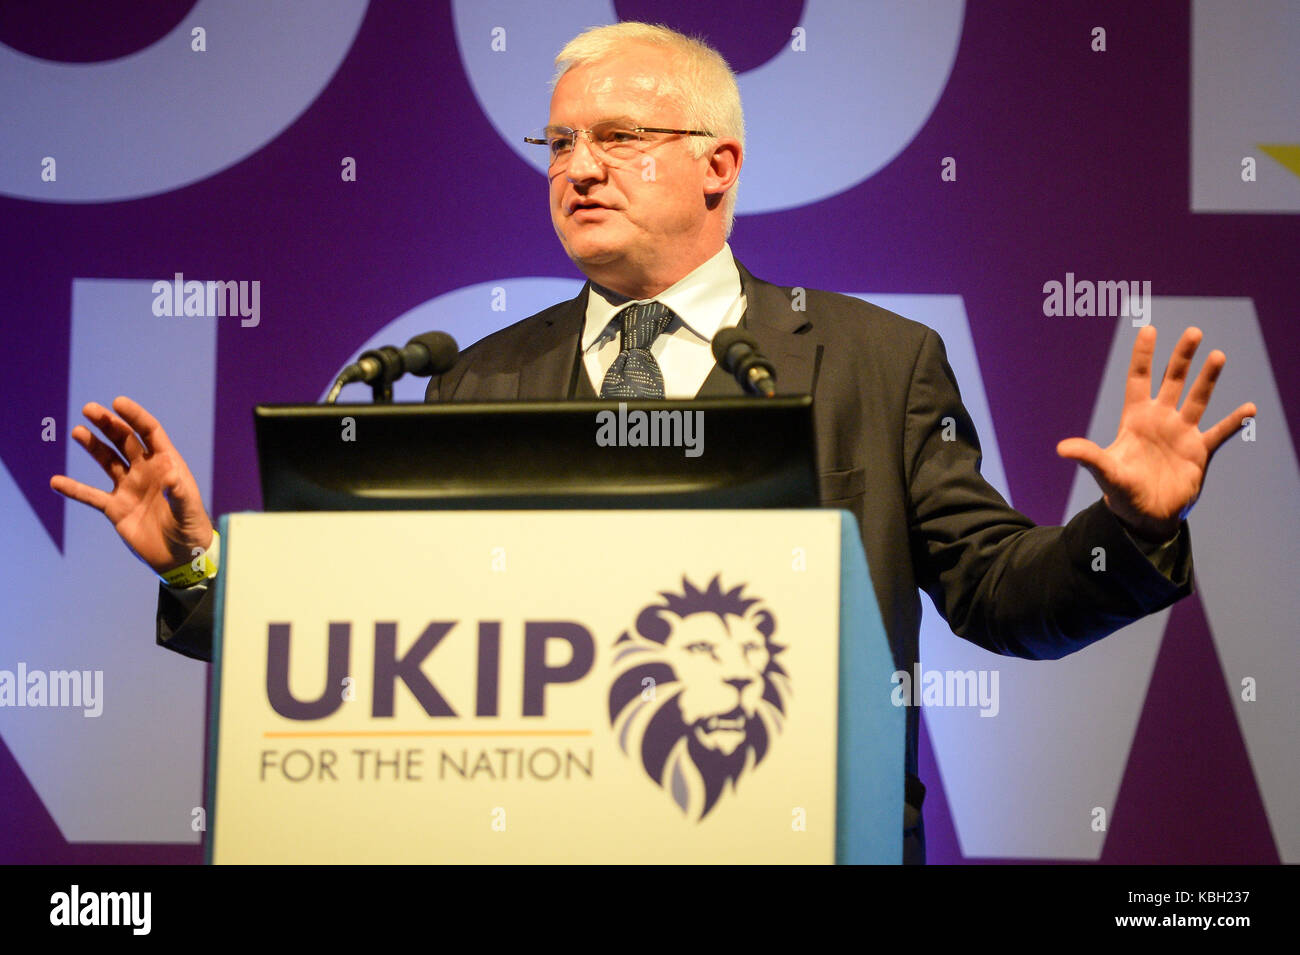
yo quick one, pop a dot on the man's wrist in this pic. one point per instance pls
(202, 567)
(1150, 535)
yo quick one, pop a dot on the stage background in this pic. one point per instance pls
(1114, 156)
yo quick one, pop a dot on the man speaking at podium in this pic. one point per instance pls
(646, 142)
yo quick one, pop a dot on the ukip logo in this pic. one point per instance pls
(698, 694)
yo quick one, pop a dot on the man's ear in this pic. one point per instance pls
(723, 170)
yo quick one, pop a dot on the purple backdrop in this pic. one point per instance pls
(1068, 159)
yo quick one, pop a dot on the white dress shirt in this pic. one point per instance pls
(705, 302)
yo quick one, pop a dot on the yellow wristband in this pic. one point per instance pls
(202, 567)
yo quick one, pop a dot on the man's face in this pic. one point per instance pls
(624, 222)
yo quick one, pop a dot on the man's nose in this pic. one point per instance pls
(584, 164)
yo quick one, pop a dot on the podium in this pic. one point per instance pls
(551, 686)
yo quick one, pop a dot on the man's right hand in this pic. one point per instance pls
(155, 505)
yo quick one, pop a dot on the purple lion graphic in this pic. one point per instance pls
(698, 691)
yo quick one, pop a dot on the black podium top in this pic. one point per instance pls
(702, 453)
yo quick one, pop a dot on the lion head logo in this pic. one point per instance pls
(698, 692)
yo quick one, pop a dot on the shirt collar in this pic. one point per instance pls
(700, 299)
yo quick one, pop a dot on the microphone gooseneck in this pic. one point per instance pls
(425, 355)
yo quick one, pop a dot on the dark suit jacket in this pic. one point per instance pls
(882, 389)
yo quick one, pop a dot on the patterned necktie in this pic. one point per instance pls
(635, 373)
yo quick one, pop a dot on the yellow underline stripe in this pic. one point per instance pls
(422, 733)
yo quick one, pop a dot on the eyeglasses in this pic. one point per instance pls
(610, 141)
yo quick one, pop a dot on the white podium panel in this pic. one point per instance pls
(634, 686)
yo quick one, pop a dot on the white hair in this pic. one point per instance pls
(703, 82)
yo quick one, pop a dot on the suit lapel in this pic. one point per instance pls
(720, 384)
(582, 383)
(779, 329)
(549, 361)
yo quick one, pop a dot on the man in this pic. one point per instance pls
(645, 142)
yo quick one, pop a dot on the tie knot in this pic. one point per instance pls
(643, 323)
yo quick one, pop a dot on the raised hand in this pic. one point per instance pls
(154, 505)
(1152, 473)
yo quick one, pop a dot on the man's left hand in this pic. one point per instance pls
(1152, 473)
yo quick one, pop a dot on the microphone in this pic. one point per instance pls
(737, 351)
(424, 355)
